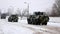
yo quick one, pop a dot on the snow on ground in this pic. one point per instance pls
(8, 28)
(55, 19)
(22, 27)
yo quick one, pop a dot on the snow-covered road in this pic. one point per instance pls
(21, 27)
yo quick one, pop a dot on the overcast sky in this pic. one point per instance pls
(34, 5)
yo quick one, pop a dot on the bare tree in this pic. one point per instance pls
(25, 13)
(10, 10)
(56, 9)
(0, 12)
(19, 12)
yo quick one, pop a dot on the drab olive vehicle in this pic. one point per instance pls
(38, 19)
(3, 16)
(13, 18)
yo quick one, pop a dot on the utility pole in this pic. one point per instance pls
(27, 8)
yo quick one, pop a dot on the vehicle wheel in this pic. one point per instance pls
(9, 20)
(44, 23)
(29, 21)
(15, 20)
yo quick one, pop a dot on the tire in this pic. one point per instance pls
(9, 20)
(44, 23)
(15, 20)
(29, 22)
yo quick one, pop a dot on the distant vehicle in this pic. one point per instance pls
(13, 18)
(3, 16)
(38, 19)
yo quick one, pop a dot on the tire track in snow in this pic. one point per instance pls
(41, 30)
(36, 31)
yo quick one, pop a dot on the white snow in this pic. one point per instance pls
(55, 19)
(8, 28)
(22, 27)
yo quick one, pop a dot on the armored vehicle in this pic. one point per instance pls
(38, 19)
(3, 16)
(13, 18)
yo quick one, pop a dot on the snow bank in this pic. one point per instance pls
(55, 19)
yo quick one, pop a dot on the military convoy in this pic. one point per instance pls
(39, 18)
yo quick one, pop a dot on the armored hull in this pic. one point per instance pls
(38, 19)
(3, 16)
(13, 18)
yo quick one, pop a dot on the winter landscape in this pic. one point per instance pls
(22, 27)
(25, 8)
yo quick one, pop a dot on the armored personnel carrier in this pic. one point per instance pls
(3, 16)
(39, 18)
(13, 18)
